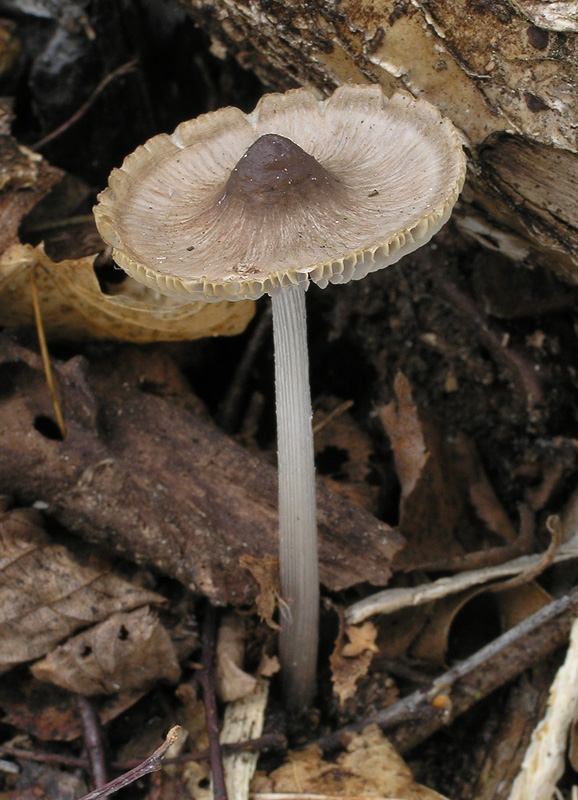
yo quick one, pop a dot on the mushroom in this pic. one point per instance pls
(234, 206)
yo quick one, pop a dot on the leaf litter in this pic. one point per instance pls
(47, 594)
(452, 541)
(73, 306)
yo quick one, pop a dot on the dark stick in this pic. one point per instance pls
(471, 679)
(151, 764)
(519, 370)
(85, 106)
(92, 733)
(267, 743)
(228, 415)
(207, 682)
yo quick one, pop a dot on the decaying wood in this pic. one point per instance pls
(506, 733)
(545, 759)
(147, 477)
(503, 70)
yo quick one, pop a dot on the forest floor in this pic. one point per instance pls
(444, 408)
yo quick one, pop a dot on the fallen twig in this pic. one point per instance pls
(151, 764)
(337, 412)
(263, 744)
(471, 679)
(229, 411)
(46, 357)
(207, 682)
(92, 734)
(130, 65)
(390, 600)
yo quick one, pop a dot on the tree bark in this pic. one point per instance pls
(148, 478)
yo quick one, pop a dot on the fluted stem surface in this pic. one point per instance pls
(297, 503)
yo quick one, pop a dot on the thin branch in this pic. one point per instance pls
(228, 414)
(521, 372)
(124, 68)
(524, 569)
(92, 733)
(208, 684)
(45, 356)
(337, 412)
(151, 764)
(269, 742)
(471, 679)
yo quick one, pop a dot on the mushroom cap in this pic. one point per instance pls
(233, 205)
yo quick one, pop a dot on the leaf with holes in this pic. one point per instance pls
(128, 651)
(73, 306)
(46, 594)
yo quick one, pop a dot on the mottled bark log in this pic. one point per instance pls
(148, 478)
(503, 70)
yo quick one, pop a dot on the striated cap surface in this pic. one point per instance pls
(234, 205)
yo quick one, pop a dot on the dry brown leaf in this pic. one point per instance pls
(509, 608)
(361, 637)
(50, 713)
(343, 452)
(232, 681)
(350, 662)
(74, 307)
(25, 178)
(128, 651)
(432, 493)
(482, 495)
(346, 672)
(431, 643)
(370, 767)
(46, 594)
(398, 631)
(268, 667)
(266, 572)
(520, 602)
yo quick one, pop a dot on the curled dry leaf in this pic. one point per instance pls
(361, 638)
(128, 651)
(269, 666)
(370, 767)
(232, 682)
(266, 572)
(74, 307)
(343, 452)
(432, 493)
(46, 594)
(25, 178)
(350, 662)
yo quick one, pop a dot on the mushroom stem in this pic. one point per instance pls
(297, 502)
